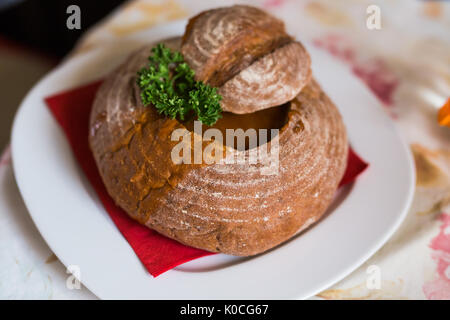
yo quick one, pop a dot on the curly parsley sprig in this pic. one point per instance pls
(168, 84)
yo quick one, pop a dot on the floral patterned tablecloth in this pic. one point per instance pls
(406, 64)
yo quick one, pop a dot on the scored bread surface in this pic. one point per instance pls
(230, 208)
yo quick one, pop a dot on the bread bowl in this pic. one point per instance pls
(234, 208)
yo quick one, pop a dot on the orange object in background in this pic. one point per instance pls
(444, 114)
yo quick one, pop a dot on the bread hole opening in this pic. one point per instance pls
(271, 118)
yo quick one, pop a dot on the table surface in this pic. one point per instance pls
(406, 65)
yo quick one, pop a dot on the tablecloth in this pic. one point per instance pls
(406, 64)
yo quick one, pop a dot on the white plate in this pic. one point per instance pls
(71, 219)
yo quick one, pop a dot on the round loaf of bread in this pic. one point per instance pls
(234, 208)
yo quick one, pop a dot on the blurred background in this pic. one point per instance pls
(33, 39)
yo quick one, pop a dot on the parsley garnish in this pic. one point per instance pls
(168, 84)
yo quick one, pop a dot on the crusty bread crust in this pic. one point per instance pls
(229, 208)
(247, 54)
(221, 42)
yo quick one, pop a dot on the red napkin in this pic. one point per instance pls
(158, 253)
(355, 166)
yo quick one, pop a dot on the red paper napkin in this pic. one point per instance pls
(158, 253)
